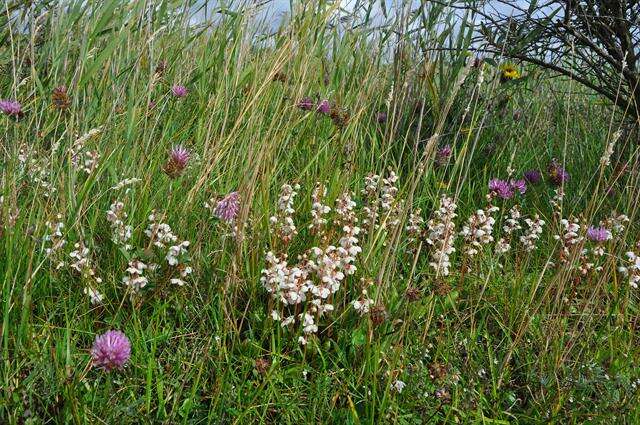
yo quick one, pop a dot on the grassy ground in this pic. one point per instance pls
(522, 337)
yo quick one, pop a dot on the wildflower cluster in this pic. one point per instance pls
(533, 232)
(479, 230)
(380, 196)
(510, 227)
(81, 158)
(81, 264)
(441, 235)
(318, 209)
(569, 237)
(55, 241)
(414, 228)
(631, 269)
(320, 271)
(135, 279)
(36, 169)
(282, 222)
(175, 253)
(120, 232)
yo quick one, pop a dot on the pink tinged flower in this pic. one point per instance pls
(381, 117)
(501, 188)
(228, 207)
(519, 185)
(598, 234)
(179, 91)
(12, 108)
(180, 156)
(111, 350)
(533, 176)
(324, 107)
(178, 160)
(443, 154)
(306, 104)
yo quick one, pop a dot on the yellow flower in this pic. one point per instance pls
(510, 72)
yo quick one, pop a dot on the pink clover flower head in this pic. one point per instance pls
(179, 91)
(598, 234)
(324, 107)
(177, 163)
(111, 350)
(228, 207)
(443, 154)
(12, 108)
(519, 185)
(501, 188)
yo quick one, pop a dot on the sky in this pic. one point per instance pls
(273, 11)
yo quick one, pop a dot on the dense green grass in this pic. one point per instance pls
(509, 339)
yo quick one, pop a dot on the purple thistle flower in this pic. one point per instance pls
(533, 176)
(12, 108)
(111, 350)
(178, 160)
(324, 107)
(179, 91)
(381, 117)
(557, 174)
(519, 185)
(501, 188)
(306, 104)
(228, 207)
(443, 154)
(598, 234)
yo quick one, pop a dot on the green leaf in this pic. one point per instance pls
(358, 337)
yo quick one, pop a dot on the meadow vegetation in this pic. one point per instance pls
(322, 224)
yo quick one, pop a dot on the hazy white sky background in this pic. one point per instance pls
(269, 14)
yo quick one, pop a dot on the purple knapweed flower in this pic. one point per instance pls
(443, 154)
(179, 91)
(111, 350)
(12, 108)
(557, 174)
(519, 185)
(324, 107)
(501, 188)
(598, 234)
(228, 207)
(178, 160)
(533, 176)
(381, 117)
(306, 104)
